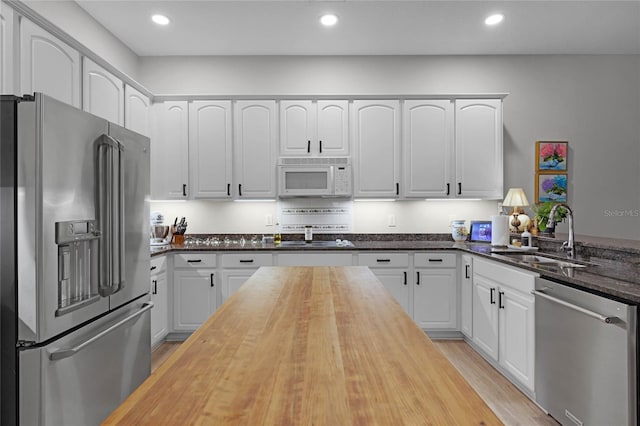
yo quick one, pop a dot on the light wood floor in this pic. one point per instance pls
(509, 404)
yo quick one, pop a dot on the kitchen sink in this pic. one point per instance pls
(547, 260)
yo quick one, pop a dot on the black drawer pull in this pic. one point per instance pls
(155, 287)
(246, 260)
(320, 147)
(397, 189)
(500, 296)
(459, 188)
(448, 189)
(153, 268)
(383, 260)
(493, 296)
(466, 271)
(418, 280)
(435, 260)
(405, 277)
(194, 260)
(212, 284)
(308, 146)
(184, 189)
(239, 190)
(228, 190)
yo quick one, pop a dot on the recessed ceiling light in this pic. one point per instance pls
(494, 19)
(160, 19)
(329, 20)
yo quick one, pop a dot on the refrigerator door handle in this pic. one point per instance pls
(111, 214)
(66, 353)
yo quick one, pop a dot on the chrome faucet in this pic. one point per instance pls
(567, 246)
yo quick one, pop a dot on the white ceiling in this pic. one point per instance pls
(427, 27)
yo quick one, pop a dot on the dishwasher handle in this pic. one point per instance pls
(605, 319)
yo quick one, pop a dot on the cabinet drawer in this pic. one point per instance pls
(247, 260)
(435, 260)
(384, 260)
(195, 260)
(158, 264)
(518, 279)
(315, 259)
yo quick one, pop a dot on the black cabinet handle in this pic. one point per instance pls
(212, 283)
(184, 189)
(155, 287)
(228, 190)
(320, 147)
(493, 296)
(153, 268)
(383, 260)
(459, 188)
(466, 271)
(397, 188)
(194, 260)
(240, 189)
(308, 146)
(405, 277)
(246, 260)
(418, 279)
(435, 260)
(500, 296)
(448, 188)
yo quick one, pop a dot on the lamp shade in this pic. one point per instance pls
(515, 198)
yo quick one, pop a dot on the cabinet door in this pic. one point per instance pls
(298, 134)
(376, 136)
(48, 65)
(102, 92)
(137, 111)
(315, 259)
(396, 281)
(232, 280)
(479, 148)
(333, 128)
(428, 148)
(194, 298)
(6, 50)
(466, 296)
(517, 334)
(485, 315)
(169, 151)
(159, 313)
(255, 134)
(434, 298)
(210, 149)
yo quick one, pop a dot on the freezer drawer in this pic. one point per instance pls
(81, 378)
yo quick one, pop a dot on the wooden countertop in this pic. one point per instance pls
(307, 346)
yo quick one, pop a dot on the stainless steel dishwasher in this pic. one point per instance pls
(586, 360)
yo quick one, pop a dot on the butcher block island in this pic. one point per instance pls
(307, 346)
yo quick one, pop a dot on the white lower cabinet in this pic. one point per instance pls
(503, 318)
(466, 295)
(392, 269)
(160, 299)
(194, 290)
(315, 259)
(237, 268)
(435, 291)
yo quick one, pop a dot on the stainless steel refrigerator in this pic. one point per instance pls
(74, 251)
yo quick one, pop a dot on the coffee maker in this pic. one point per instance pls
(159, 233)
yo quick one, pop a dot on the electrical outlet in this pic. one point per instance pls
(392, 220)
(268, 220)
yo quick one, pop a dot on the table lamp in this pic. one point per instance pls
(515, 198)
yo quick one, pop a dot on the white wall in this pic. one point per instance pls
(73, 20)
(591, 101)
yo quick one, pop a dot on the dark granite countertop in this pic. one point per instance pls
(616, 276)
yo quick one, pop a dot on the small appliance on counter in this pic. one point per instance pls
(160, 233)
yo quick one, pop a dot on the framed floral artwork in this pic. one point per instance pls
(551, 187)
(551, 155)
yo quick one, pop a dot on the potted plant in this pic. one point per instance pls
(541, 212)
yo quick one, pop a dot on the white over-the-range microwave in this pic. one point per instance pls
(314, 177)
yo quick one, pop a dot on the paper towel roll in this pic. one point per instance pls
(499, 230)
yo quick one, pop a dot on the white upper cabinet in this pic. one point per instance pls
(169, 151)
(479, 171)
(48, 65)
(428, 149)
(210, 154)
(314, 128)
(102, 92)
(376, 137)
(137, 110)
(255, 136)
(6, 49)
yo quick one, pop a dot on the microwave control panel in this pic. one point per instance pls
(342, 179)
